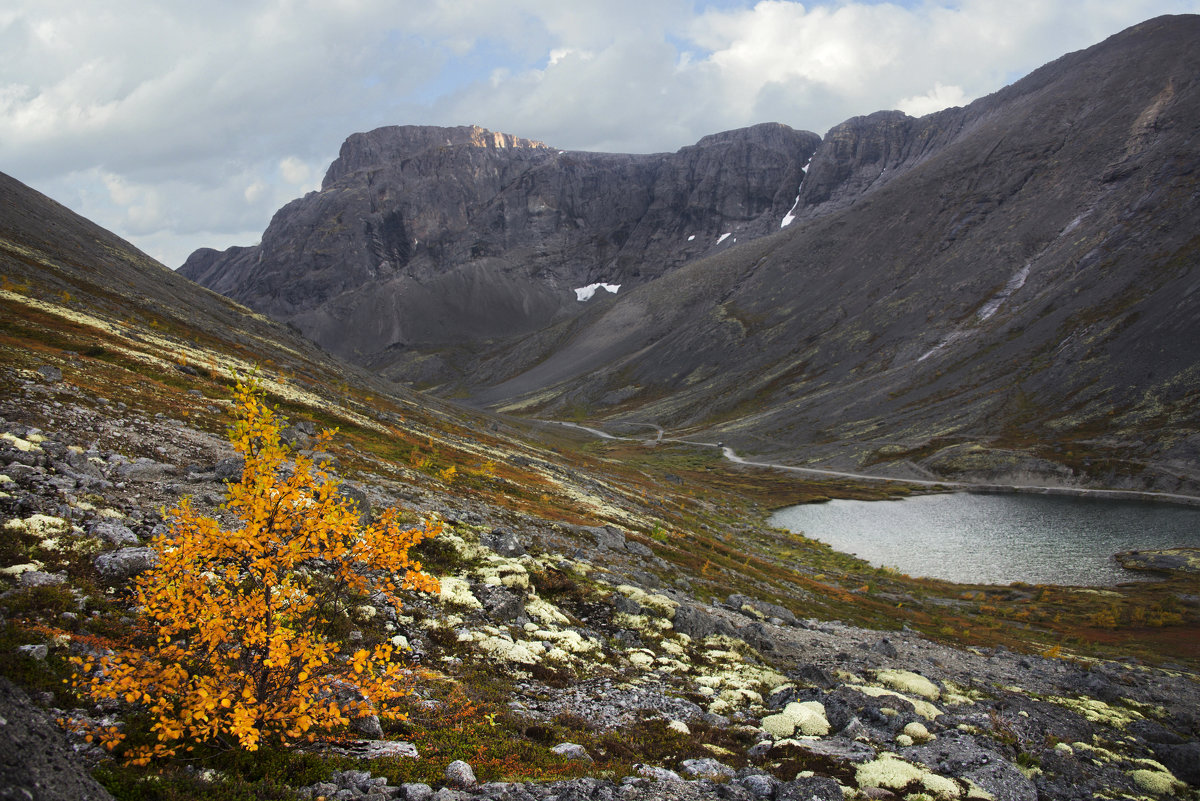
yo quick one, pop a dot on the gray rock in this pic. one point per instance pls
(229, 469)
(608, 538)
(117, 566)
(500, 603)
(357, 497)
(810, 788)
(706, 768)
(572, 752)
(115, 533)
(657, 774)
(459, 774)
(760, 785)
(635, 547)
(698, 624)
(36, 578)
(502, 542)
(36, 760)
(368, 726)
(50, 373)
(416, 791)
(143, 469)
(38, 651)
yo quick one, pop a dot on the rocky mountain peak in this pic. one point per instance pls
(395, 143)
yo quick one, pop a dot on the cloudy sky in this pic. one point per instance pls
(180, 124)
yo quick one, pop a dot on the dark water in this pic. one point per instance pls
(998, 539)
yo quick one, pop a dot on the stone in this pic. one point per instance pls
(37, 578)
(229, 469)
(357, 497)
(810, 788)
(760, 786)
(698, 624)
(608, 538)
(115, 533)
(36, 760)
(38, 651)
(50, 373)
(572, 751)
(706, 768)
(502, 542)
(117, 566)
(657, 774)
(459, 774)
(636, 548)
(416, 791)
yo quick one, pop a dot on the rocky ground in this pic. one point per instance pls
(583, 629)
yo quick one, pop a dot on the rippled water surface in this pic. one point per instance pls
(998, 539)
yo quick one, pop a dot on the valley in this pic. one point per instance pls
(1000, 296)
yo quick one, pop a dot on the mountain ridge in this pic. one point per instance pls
(1012, 275)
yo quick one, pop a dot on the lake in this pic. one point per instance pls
(998, 539)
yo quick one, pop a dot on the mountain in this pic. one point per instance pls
(611, 612)
(994, 292)
(426, 238)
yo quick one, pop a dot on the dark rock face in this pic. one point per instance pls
(36, 760)
(452, 236)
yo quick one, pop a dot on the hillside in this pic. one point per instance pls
(1003, 292)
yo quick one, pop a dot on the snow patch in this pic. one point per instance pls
(1014, 283)
(723, 237)
(585, 293)
(690, 238)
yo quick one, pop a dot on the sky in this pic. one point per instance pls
(179, 124)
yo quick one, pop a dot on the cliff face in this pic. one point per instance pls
(437, 236)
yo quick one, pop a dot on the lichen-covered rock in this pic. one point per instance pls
(572, 751)
(114, 533)
(459, 774)
(706, 768)
(503, 542)
(117, 566)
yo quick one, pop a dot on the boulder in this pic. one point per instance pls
(117, 566)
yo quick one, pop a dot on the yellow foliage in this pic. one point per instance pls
(238, 645)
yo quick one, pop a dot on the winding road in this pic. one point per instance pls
(728, 453)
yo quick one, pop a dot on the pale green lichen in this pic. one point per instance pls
(16, 570)
(545, 611)
(656, 602)
(507, 650)
(888, 771)
(39, 525)
(940, 786)
(1159, 782)
(910, 683)
(922, 708)
(903, 740)
(23, 445)
(805, 717)
(457, 592)
(917, 731)
(1096, 711)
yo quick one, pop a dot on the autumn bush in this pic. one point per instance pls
(235, 645)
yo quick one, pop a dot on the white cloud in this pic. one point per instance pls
(168, 121)
(936, 99)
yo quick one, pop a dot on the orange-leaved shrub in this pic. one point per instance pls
(236, 637)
